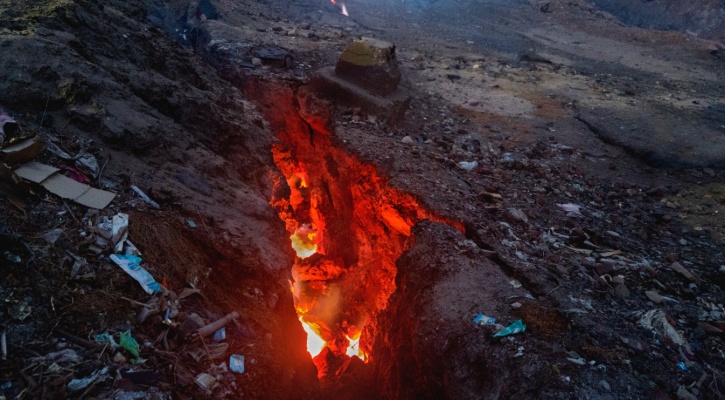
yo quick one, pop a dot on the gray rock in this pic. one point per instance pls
(371, 64)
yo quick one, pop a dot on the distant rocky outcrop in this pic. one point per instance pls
(703, 18)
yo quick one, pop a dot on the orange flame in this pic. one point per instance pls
(353, 348)
(303, 241)
(315, 343)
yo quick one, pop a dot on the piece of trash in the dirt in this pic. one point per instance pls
(516, 305)
(468, 165)
(106, 339)
(683, 271)
(571, 209)
(119, 230)
(220, 335)
(484, 320)
(205, 381)
(21, 152)
(236, 363)
(63, 186)
(516, 327)
(119, 358)
(80, 384)
(89, 162)
(56, 150)
(682, 366)
(132, 265)
(8, 126)
(575, 358)
(191, 223)
(76, 174)
(515, 284)
(205, 331)
(145, 197)
(20, 310)
(218, 369)
(565, 378)
(656, 321)
(13, 258)
(65, 356)
(519, 352)
(129, 343)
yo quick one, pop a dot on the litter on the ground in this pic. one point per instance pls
(80, 384)
(656, 321)
(516, 327)
(468, 165)
(132, 265)
(236, 363)
(105, 338)
(571, 209)
(129, 343)
(64, 187)
(205, 381)
(145, 197)
(483, 320)
(65, 356)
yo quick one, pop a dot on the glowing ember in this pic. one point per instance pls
(315, 343)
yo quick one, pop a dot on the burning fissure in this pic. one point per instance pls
(347, 225)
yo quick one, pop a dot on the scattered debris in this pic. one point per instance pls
(572, 210)
(80, 384)
(236, 363)
(205, 381)
(514, 328)
(65, 187)
(216, 325)
(145, 198)
(21, 152)
(132, 265)
(468, 165)
(129, 343)
(656, 321)
(484, 320)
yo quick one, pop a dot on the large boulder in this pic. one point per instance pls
(371, 64)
